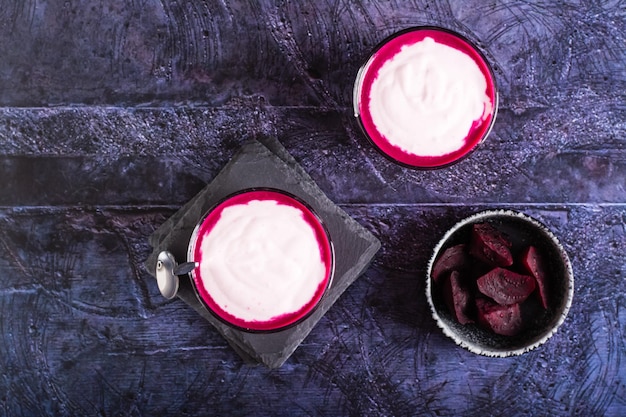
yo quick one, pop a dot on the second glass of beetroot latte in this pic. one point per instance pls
(425, 97)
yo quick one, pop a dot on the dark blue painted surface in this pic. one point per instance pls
(117, 113)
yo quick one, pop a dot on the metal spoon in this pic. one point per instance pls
(167, 272)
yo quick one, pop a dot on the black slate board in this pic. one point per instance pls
(268, 164)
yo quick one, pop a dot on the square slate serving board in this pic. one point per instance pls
(266, 163)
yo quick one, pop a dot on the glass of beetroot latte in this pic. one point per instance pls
(425, 97)
(499, 283)
(264, 260)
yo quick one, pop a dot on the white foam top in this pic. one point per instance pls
(426, 98)
(261, 260)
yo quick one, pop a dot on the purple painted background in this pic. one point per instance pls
(114, 114)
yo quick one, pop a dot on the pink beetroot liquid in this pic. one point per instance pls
(366, 101)
(249, 282)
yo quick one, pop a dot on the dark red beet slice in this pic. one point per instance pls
(458, 298)
(506, 287)
(534, 264)
(453, 258)
(504, 320)
(489, 245)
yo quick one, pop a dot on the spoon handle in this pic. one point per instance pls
(185, 268)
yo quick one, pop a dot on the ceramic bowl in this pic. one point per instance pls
(539, 323)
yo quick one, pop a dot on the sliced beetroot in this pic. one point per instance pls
(501, 319)
(498, 300)
(453, 258)
(534, 264)
(490, 246)
(458, 298)
(506, 287)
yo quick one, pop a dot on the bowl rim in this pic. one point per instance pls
(362, 71)
(561, 315)
(331, 268)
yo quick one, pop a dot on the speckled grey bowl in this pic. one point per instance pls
(542, 324)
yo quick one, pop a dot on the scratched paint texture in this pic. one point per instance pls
(114, 114)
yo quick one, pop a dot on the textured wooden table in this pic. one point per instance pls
(114, 114)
